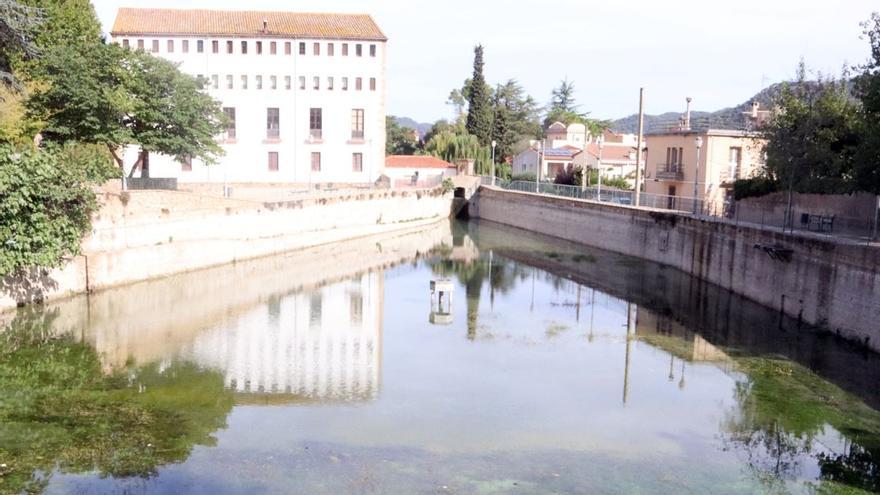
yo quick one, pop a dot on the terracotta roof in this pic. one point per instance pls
(612, 153)
(132, 21)
(415, 161)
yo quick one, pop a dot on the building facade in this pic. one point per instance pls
(724, 157)
(304, 93)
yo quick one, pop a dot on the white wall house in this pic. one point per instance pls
(306, 91)
(417, 170)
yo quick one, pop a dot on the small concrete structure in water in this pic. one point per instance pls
(441, 302)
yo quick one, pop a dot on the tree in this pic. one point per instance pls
(479, 119)
(46, 203)
(399, 140)
(562, 98)
(563, 108)
(67, 23)
(19, 25)
(866, 170)
(516, 119)
(450, 146)
(115, 96)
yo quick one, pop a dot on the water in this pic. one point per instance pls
(562, 369)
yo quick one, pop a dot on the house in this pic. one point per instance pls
(417, 170)
(618, 160)
(725, 155)
(304, 93)
(549, 161)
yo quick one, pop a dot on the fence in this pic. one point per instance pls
(851, 227)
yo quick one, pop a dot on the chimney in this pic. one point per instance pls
(265, 25)
(687, 114)
(755, 107)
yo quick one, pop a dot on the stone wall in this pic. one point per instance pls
(142, 235)
(835, 285)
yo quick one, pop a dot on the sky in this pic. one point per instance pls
(718, 53)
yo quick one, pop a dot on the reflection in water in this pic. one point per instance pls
(568, 370)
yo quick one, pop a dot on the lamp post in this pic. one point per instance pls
(632, 157)
(540, 153)
(699, 143)
(494, 143)
(601, 142)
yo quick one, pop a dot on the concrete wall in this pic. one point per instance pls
(143, 235)
(853, 213)
(824, 283)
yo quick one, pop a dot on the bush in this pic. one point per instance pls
(570, 177)
(754, 187)
(527, 177)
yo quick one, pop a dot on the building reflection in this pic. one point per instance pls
(321, 344)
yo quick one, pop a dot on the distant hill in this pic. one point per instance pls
(726, 118)
(412, 124)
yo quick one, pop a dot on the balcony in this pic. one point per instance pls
(731, 173)
(670, 171)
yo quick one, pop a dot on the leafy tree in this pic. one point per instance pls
(479, 118)
(67, 23)
(114, 96)
(563, 108)
(399, 140)
(866, 170)
(812, 138)
(516, 119)
(19, 26)
(46, 203)
(450, 146)
(562, 98)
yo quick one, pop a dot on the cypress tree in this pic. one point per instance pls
(479, 119)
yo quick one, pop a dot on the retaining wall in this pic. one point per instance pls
(143, 235)
(830, 284)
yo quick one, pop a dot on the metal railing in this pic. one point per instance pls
(605, 194)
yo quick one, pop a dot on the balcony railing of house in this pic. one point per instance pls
(731, 173)
(670, 171)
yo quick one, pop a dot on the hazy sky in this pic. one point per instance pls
(720, 53)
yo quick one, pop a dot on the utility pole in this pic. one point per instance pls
(639, 149)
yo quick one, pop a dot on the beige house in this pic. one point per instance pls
(724, 156)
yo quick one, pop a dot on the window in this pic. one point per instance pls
(200, 79)
(244, 82)
(302, 48)
(155, 46)
(359, 50)
(345, 84)
(330, 83)
(345, 49)
(286, 82)
(170, 46)
(330, 49)
(316, 49)
(215, 81)
(372, 84)
(215, 46)
(186, 164)
(316, 82)
(273, 82)
(287, 49)
(184, 46)
(140, 44)
(316, 161)
(273, 161)
(372, 50)
(259, 82)
(315, 122)
(357, 123)
(125, 43)
(273, 128)
(302, 82)
(229, 82)
(229, 46)
(736, 155)
(358, 84)
(244, 47)
(230, 122)
(357, 162)
(200, 46)
(273, 48)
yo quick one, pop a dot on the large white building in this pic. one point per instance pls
(305, 92)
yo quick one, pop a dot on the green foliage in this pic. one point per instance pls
(45, 206)
(19, 26)
(447, 185)
(399, 140)
(451, 147)
(572, 176)
(516, 119)
(479, 118)
(68, 23)
(564, 109)
(114, 96)
(866, 169)
(527, 177)
(754, 187)
(59, 410)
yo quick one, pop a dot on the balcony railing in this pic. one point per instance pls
(670, 171)
(731, 173)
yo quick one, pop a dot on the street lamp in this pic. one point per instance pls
(632, 158)
(601, 141)
(699, 143)
(539, 151)
(494, 143)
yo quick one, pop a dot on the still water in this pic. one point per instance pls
(559, 369)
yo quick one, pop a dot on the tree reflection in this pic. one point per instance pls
(60, 411)
(782, 410)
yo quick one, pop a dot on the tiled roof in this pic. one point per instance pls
(615, 153)
(131, 21)
(415, 161)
